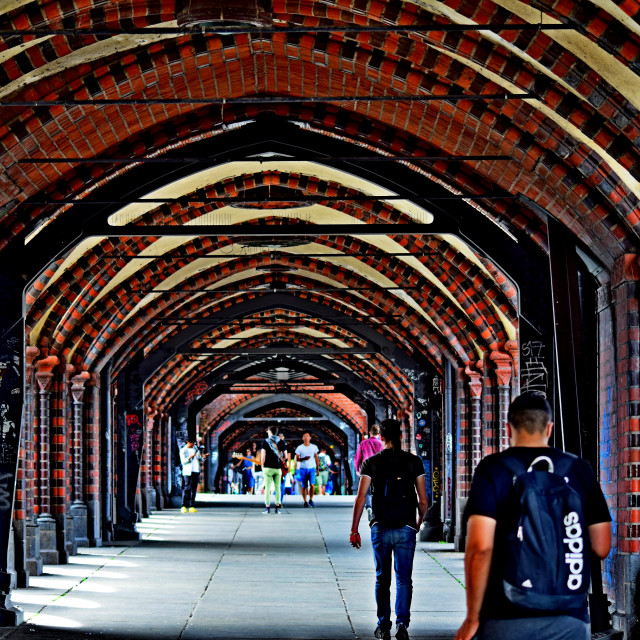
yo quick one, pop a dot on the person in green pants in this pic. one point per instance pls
(273, 458)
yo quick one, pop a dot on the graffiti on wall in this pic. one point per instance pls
(534, 374)
(10, 400)
(197, 390)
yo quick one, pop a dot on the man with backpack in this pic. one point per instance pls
(535, 516)
(399, 502)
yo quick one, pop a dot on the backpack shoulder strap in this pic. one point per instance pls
(513, 464)
(564, 463)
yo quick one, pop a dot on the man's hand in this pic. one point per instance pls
(354, 540)
(468, 629)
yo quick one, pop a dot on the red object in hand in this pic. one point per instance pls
(355, 540)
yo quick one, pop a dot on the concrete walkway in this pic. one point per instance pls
(228, 571)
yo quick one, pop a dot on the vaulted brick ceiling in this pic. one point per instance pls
(561, 141)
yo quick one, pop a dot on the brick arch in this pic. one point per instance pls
(224, 406)
(548, 160)
(475, 309)
(170, 382)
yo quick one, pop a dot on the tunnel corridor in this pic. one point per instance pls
(315, 214)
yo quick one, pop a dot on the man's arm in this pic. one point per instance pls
(358, 508)
(317, 461)
(477, 563)
(263, 456)
(600, 537)
(423, 504)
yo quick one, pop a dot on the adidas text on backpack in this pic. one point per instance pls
(547, 564)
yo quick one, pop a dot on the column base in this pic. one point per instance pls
(33, 560)
(160, 498)
(79, 512)
(151, 499)
(48, 537)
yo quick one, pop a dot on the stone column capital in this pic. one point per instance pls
(474, 382)
(78, 385)
(503, 367)
(44, 371)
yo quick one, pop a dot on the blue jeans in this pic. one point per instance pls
(401, 543)
(539, 628)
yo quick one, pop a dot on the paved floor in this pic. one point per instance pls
(228, 571)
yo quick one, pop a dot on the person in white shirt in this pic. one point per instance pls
(187, 455)
(191, 458)
(307, 458)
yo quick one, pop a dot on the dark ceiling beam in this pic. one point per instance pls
(273, 254)
(193, 200)
(322, 322)
(167, 160)
(226, 30)
(281, 287)
(100, 102)
(269, 231)
(260, 352)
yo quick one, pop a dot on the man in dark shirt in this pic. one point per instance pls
(491, 503)
(393, 532)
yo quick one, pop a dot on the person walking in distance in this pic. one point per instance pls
(368, 447)
(532, 590)
(399, 502)
(196, 467)
(273, 460)
(188, 454)
(307, 457)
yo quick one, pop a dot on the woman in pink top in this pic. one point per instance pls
(366, 449)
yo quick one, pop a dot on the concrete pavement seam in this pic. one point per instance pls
(335, 575)
(210, 580)
(446, 570)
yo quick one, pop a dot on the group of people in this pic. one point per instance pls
(309, 470)
(536, 517)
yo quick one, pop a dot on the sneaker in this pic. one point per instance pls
(192, 509)
(306, 505)
(311, 503)
(401, 632)
(276, 510)
(381, 634)
(267, 510)
(184, 509)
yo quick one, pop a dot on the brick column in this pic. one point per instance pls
(146, 477)
(474, 385)
(78, 507)
(620, 442)
(46, 522)
(28, 561)
(503, 370)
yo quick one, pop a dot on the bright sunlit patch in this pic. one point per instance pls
(46, 620)
(25, 597)
(113, 561)
(93, 587)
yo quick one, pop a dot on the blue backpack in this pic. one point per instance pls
(547, 565)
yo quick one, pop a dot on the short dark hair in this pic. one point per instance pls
(273, 430)
(391, 431)
(530, 411)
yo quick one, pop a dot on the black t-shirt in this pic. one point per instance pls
(492, 495)
(375, 468)
(271, 460)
